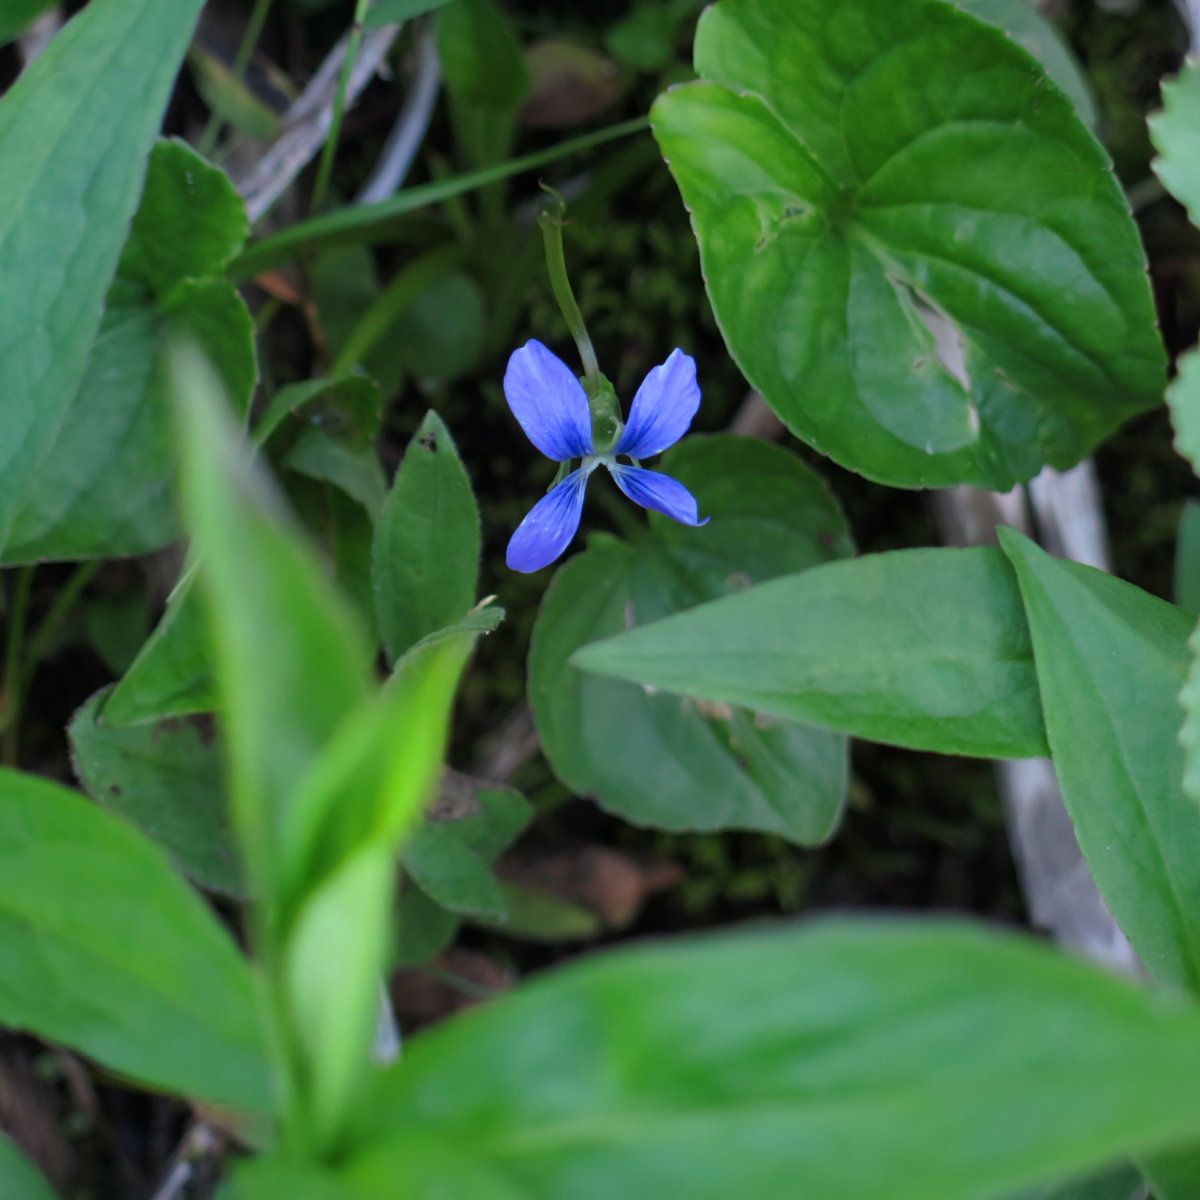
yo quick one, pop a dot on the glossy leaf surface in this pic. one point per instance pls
(658, 759)
(914, 248)
(920, 648)
(1110, 662)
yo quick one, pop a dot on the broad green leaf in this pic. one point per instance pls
(166, 779)
(290, 660)
(1175, 133)
(75, 130)
(661, 760)
(914, 248)
(330, 460)
(1187, 558)
(1115, 1183)
(920, 648)
(385, 12)
(19, 1178)
(480, 56)
(1110, 662)
(18, 15)
(426, 556)
(1023, 21)
(105, 486)
(1174, 1174)
(1183, 398)
(441, 335)
(190, 221)
(840, 1060)
(103, 947)
(171, 674)
(451, 872)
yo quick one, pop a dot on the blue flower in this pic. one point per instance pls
(552, 407)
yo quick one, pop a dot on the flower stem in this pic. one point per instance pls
(551, 221)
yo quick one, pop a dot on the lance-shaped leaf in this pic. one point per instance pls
(913, 246)
(103, 947)
(920, 648)
(846, 1061)
(75, 131)
(1110, 662)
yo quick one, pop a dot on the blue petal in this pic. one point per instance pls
(652, 489)
(549, 402)
(549, 526)
(663, 408)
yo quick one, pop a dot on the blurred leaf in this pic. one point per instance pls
(441, 334)
(1173, 1174)
(19, 1178)
(917, 1061)
(1183, 397)
(75, 130)
(480, 55)
(1110, 662)
(289, 658)
(165, 778)
(18, 15)
(116, 627)
(423, 927)
(385, 12)
(170, 675)
(1175, 133)
(190, 221)
(126, 964)
(230, 98)
(656, 759)
(1022, 20)
(976, 235)
(1187, 558)
(920, 648)
(1113, 1183)
(538, 916)
(427, 543)
(644, 39)
(356, 472)
(349, 405)
(451, 872)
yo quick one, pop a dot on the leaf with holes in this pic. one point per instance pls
(913, 246)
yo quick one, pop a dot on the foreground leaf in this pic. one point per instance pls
(107, 950)
(947, 290)
(19, 1178)
(842, 1060)
(656, 759)
(75, 130)
(920, 648)
(1110, 662)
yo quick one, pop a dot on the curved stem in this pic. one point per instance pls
(551, 221)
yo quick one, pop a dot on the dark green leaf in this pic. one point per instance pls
(1110, 662)
(105, 948)
(451, 872)
(386, 12)
(480, 56)
(166, 779)
(426, 557)
(355, 472)
(920, 648)
(846, 1061)
(441, 335)
(19, 1178)
(75, 130)
(1115, 1183)
(190, 222)
(1187, 558)
(913, 246)
(349, 405)
(1174, 1174)
(18, 15)
(669, 762)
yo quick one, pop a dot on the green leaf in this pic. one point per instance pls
(105, 949)
(75, 130)
(1187, 558)
(166, 779)
(426, 557)
(1183, 397)
(348, 404)
(330, 460)
(190, 221)
(386, 12)
(229, 98)
(1029, 29)
(656, 759)
(290, 660)
(920, 648)
(104, 489)
(1110, 662)
(1175, 133)
(19, 1178)
(1114, 1183)
(451, 872)
(18, 15)
(480, 56)
(441, 335)
(917, 1061)
(171, 675)
(1174, 1174)
(943, 290)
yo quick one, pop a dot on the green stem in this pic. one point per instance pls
(370, 222)
(12, 665)
(329, 150)
(245, 50)
(63, 603)
(551, 221)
